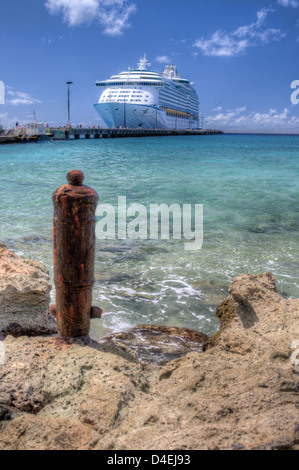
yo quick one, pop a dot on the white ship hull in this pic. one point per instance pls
(132, 116)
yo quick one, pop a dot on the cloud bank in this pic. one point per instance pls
(289, 3)
(20, 98)
(239, 120)
(163, 59)
(231, 44)
(113, 15)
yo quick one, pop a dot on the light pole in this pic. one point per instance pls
(68, 102)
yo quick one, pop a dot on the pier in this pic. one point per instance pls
(76, 133)
(17, 135)
(100, 133)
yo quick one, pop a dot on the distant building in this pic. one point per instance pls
(35, 128)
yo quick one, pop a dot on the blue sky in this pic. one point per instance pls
(241, 54)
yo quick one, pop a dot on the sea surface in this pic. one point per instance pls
(248, 184)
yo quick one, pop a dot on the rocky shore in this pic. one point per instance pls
(24, 296)
(236, 390)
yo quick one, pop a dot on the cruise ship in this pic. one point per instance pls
(142, 98)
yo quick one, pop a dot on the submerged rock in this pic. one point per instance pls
(24, 296)
(158, 344)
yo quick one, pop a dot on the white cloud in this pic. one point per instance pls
(116, 20)
(74, 11)
(113, 15)
(3, 117)
(289, 3)
(20, 98)
(6, 121)
(47, 41)
(221, 44)
(218, 108)
(239, 120)
(163, 59)
(224, 44)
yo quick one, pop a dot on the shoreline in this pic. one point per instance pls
(240, 393)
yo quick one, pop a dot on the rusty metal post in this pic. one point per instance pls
(74, 251)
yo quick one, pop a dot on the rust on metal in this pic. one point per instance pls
(74, 252)
(95, 312)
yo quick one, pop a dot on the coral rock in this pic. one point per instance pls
(24, 296)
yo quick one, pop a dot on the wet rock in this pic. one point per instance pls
(24, 296)
(159, 344)
(8, 413)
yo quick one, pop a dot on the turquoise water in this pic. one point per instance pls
(249, 186)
